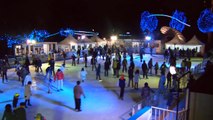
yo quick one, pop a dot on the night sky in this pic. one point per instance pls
(104, 16)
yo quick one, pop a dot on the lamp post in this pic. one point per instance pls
(172, 70)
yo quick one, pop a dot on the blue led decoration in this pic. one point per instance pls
(66, 32)
(148, 23)
(205, 21)
(38, 35)
(176, 24)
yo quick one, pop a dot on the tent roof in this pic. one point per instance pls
(176, 40)
(68, 39)
(95, 38)
(194, 41)
(86, 40)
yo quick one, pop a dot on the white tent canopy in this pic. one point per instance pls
(175, 43)
(194, 43)
(98, 40)
(69, 40)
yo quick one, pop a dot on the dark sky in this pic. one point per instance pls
(104, 16)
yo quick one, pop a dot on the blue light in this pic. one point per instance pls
(66, 32)
(148, 23)
(148, 38)
(38, 35)
(176, 24)
(205, 21)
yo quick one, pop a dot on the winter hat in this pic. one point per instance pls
(122, 76)
(16, 95)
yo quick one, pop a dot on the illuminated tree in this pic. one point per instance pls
(176, 24)
(205, 21)
(148, 22)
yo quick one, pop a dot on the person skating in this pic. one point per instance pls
(83, 74)
(122, 85)
(78, 92)
(59, 77)
(27, 94)
(8, 113)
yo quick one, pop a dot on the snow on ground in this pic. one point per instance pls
(101, 102)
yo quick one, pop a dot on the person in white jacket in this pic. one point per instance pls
(27, 79)
(83, 75)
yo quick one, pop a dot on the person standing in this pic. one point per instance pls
(106, 68)
(73, 60)
(130, 74)
(85, 59)
(124, 64)
(136, 78)
(144, 69)
(27, 93)
(23, 74)
(145, 93)
(8, 113)
(83, 74)
(59, 77)
(98, 72)
(4, 72)
(169, 79)
(78, 91)
(52, 65)
(150, 64)
(20, 113)
(156, 68)
(122, 85)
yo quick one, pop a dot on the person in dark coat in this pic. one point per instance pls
(122, 85)
(8, 113)
(150, 64)
(156, 68)
(144, 69)
(20, 113)
(4, 68)
(169, 79)
(78, 91)
(52, 65)
(124, 64)
(27, 63)
(106, 68)
(73, 60)
(118, 68)
(85, 59)
(130, 74)
(39, 64)
(98, 72)
(132, 64)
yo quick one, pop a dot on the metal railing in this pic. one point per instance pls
(166, 114)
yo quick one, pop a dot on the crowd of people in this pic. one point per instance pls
(114, 58)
